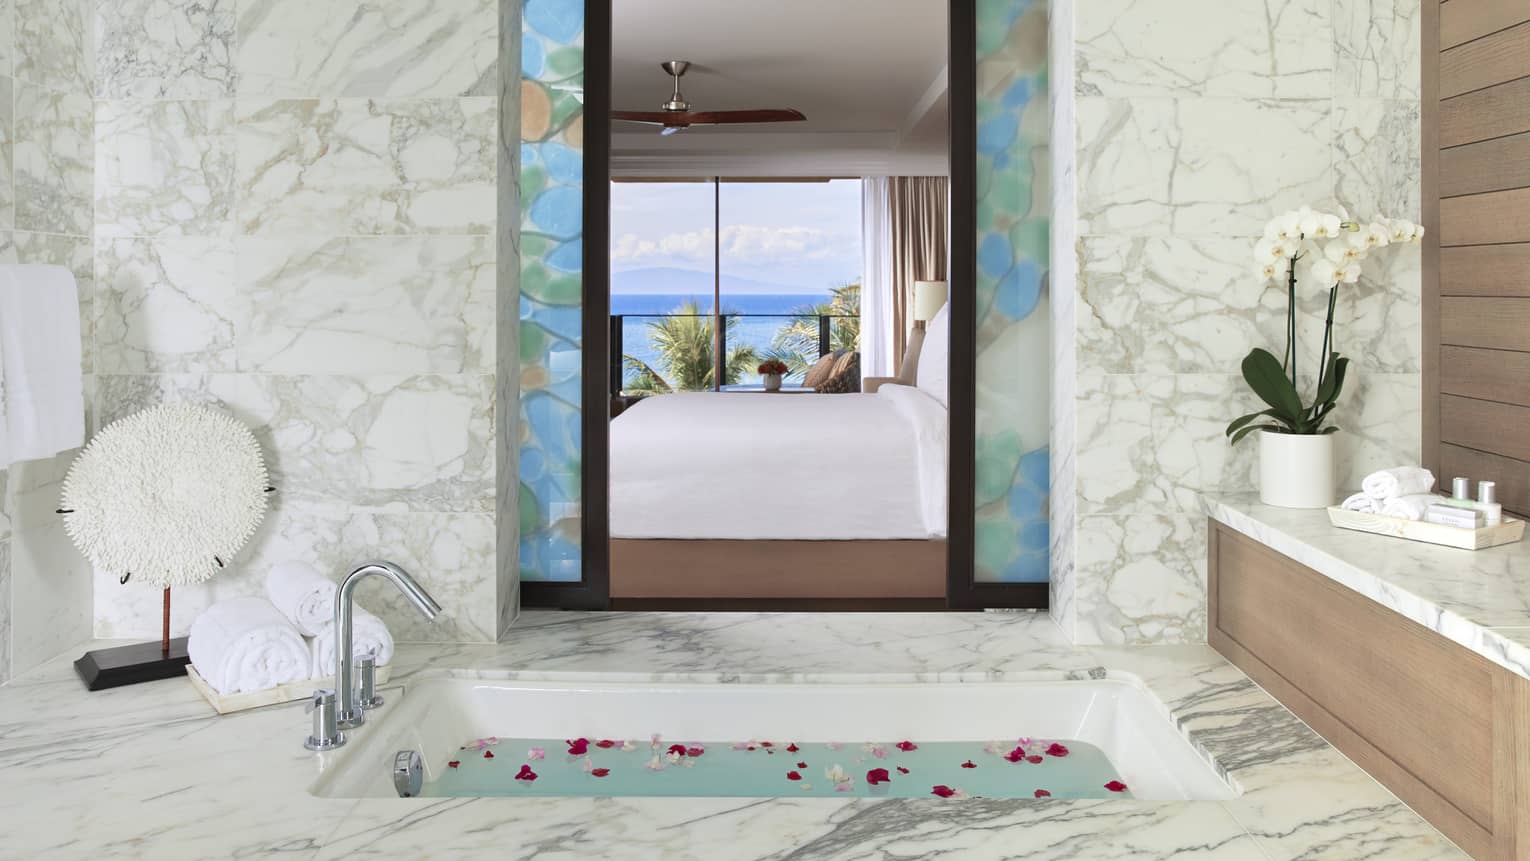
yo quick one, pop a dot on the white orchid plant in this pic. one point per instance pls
(1329, 248)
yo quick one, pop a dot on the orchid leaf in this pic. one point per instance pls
(1251, 428)
(1264, 375)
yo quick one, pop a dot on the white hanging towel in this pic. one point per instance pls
(303, 595)
(369, 636)
(246, 644)
(42, 391)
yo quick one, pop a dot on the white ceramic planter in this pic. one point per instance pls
(1295, 470)
(772, 382)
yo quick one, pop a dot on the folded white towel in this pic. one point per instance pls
(1410, 507)
(1397, 481)
(1361, 502)
(42, 400)
(303, 595)
(369, 636)
(246, 644)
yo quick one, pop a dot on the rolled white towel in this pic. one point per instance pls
(246, 644)
(1410, 507)
(369, 635)
(1361, 502)
(303, 595)
(1397, 481)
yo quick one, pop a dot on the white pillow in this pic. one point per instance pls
(935, 356)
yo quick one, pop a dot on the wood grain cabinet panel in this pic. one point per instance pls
(1490, 113)
(1485, 270)
(1465, 20)
(1492, 165)
(1484, 62)
(1426, 717)
(1493, 375)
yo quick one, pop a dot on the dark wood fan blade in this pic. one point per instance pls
(653, 118)
(763, 115)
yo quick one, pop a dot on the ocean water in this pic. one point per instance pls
(755, 332)
(585, 768)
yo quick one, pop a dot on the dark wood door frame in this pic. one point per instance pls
(963, 592)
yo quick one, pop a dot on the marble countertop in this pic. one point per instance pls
(1477, 598)
(150, 772)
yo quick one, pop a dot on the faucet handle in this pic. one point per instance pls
(366, 682)
(325, 705)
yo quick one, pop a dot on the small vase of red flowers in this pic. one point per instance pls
(772, 370)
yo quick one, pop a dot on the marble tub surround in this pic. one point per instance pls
(1300, 799)
(294, 218)
(1189, 135)
(1478, 599)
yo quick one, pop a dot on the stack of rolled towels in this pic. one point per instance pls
(255, 643)
(1402, 491)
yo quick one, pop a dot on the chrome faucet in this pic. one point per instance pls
(350, 712)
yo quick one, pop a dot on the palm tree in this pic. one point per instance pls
(683, 341)
(796, 343)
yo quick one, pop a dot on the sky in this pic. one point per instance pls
(805, 236)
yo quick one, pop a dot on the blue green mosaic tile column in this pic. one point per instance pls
(552, 230)
(1013, 335)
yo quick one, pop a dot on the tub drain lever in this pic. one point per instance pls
(408, 773)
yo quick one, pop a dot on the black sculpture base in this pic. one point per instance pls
(129, 665)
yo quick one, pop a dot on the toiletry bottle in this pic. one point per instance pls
(1460, 494)
(1487, 502)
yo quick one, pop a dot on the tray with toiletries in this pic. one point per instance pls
(293, 691)
(1506, 531)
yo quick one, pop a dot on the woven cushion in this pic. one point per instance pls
(820, 372)
(847, 380)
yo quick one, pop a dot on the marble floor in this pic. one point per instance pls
(150, 772)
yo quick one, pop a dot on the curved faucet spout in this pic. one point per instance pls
(351, 714)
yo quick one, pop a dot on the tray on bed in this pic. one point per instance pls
(1507, 532)
(290, 692)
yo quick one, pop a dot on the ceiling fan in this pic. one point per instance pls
(676, 114)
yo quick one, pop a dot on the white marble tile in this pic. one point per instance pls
(1380, 419)
(164, 49)
(1238, 48)
(53, 44)
(366, 305)
(1141, 579)
(164, 305)
(354, 166)
(507, 326)
(7, 38)
(6, 505)
(6, 609)
(7, 151)
(1378, 322)
(452, 556)
(1376, 156)
(298, 49)
(1377, 48)
(1211, 167)
(50, 581)
(54, 161)
(165, 168)
(1062, 292)
(1151, 443)
(386, 443)
(74, 254)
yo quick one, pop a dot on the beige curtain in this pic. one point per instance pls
(918, 217)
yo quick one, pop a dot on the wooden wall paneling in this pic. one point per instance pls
(1485, 219)
(1485, 270)
(1429, 282)
(1490, 375)
(1490, 322)
(1491, 165)
(1485, 426)
(1494, 112)
(1512, 476)
(1494, 59)
(1464, 20)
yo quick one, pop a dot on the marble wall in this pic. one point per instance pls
(295, 219)
(46, 175)
(1195, 122)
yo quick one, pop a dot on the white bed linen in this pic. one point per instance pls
(766, 466)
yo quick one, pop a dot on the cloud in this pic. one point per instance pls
(743, 243)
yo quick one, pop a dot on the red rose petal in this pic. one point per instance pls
(1015, 755)
(454, 763)
(902, 770)
(578, 747)
(1033, 759)
(1057, 750)
(878, 775)
(792, 775)
(766, 744)
(677, 748)
(695, 751)
(488, 754)
(1042, 793)
(802, 765)
(792, 748)
(943, 791)
(906, 746)
(969, 764)
(600, 772)
(1116, 786)
(526, 774)
(606, 743)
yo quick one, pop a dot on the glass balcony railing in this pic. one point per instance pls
(657, 353)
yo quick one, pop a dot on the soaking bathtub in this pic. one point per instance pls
(451, 720)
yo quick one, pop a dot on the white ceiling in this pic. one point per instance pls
(869, 75)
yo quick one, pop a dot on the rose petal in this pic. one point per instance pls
(792, 748)
(605, 743)
(844, 787)
(943, 791)
(454, 763)
(1015, 755)
(1033, 759)
(906, 746)
(1116, 786)
(536, 753)
(1042, 793)
(766, 744)
(578, 747)
(878, 775)
(695, 751)
(902, 770)
(802, 765)
(792, 775)
(1057, 750)
(488, 754)
(600, 772)
(677, 749)
(526, 774)
(969, 764)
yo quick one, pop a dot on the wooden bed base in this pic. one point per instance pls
(663, 568)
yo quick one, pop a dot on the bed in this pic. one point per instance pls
(771, 496)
